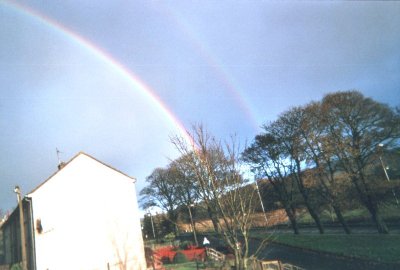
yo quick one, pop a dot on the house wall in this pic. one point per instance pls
(11, 240)
(10, 231)
(90, 219)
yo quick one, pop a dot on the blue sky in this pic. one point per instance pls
(231, 65)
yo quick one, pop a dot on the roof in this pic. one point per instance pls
(48, 179)
(71, 160)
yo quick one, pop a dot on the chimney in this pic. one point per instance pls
(61, 165)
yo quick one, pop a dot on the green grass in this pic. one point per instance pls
(181, 266)
(359, 213)
(389, 211)
(192, 265)
(383, 248)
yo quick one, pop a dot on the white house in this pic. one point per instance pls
(85, 216)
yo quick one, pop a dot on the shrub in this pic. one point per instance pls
(16, 266)
(180, 258)
(165, 260)
(185, 245)
(169, 237)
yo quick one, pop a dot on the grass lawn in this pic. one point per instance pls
(181, 266)
(383, 248)
(190, 266)
(389, 211)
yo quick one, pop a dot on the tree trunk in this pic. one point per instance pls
(340, 218)
(310, 209)
(292, 218)
(245, 263)
(331, 197)
(173, 218)
(213, 219)
(176, 229)
(239, 261)
(286, 202)
(304, 193)
(314, 215)
(375, 215)
(370, 203)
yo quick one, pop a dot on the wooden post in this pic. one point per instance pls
(22, 228)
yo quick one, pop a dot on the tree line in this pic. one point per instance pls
(336, 143)
(310, 156)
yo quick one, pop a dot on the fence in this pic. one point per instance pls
(274, 265)
(288, 266)
(271, 265)
(256, 264)
(215, 255)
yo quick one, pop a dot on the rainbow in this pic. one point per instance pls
(218, 71)
(104, 57)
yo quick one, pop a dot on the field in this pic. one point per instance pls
(382, 248)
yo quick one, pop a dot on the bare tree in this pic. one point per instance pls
(187, 191)
(222, 188)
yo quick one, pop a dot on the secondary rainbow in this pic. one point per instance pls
(217, 68)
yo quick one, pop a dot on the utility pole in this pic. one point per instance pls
(261, 201)
(192, 224)
(152, 224)
(22, 228)
(386, 174)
